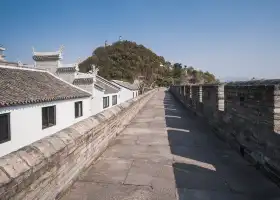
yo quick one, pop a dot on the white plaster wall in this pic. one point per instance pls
(50, 66)
(67, 76)
(97, 102)
(26, 122)
(125, 94)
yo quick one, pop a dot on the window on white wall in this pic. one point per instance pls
(78, 109)
(105, 102)
(48, 116)
(114, 99)
(5, 134)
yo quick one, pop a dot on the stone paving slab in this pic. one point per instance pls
(164, 154)
(108, 171)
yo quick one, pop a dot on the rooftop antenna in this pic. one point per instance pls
(33, 50)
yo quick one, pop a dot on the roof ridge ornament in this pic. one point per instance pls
(77, 64)
(61, 48)
(94, 70)
(20, 63)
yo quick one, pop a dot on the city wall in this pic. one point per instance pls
(46, 168)
(244, 114)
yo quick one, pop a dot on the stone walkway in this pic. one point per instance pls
(165, 154)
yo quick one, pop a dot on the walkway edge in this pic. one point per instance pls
(45, 169)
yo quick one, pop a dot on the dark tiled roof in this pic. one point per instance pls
(126, 85)
(47, 57)
(98, 87)
(108, 89)
(39, 56)
(107, 85)
(22, 86)
(107, 82)
(83, 81)
(66, 69)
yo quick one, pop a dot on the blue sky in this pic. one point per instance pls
(237, 38)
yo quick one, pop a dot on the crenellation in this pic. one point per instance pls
(243, 114)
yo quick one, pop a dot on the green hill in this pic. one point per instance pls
(125, 60)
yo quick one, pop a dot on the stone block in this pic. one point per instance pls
(74, 134)
(56, 142)
(64, 135)
(4, 179)
(116, 110)
(32, 156)
(83, 126)
(44, 147)
(13, 165)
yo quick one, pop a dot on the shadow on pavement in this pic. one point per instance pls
(204, 167)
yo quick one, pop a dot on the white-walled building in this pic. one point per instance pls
(41, 99)
(128, 90)
(35, 104)
(104, 93)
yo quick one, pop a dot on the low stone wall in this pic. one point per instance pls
(46, 168)
(245, 115)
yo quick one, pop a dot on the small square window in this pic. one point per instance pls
(114, 99)
(105, 102)
(78, 109)
(48, 116)
(5, 134)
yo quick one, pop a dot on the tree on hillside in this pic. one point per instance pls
(125, 60)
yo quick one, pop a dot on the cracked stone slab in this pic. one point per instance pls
(97, 191)
(107, 171)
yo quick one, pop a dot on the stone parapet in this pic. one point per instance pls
(244, 114)
(45, 169)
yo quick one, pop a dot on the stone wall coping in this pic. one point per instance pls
(261, 82)
(18, 165)
(255, 82)
(205, 84)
